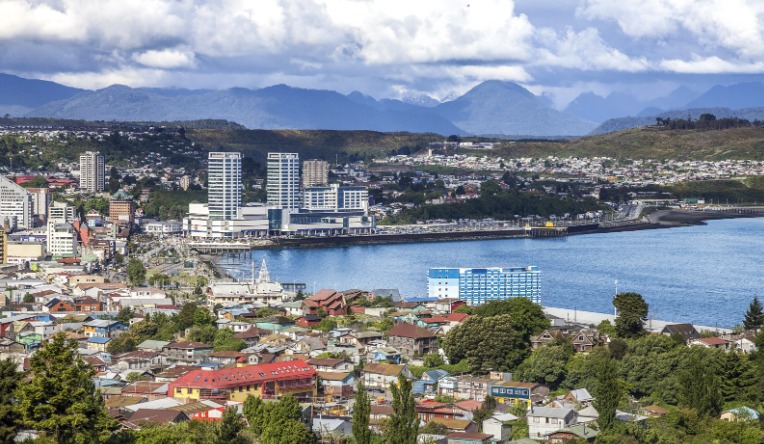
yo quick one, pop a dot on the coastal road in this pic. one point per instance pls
(593, 318)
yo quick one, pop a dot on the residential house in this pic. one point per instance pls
(188, 353)
(309, 321)
(56, 305)
(336, 385)
(713, 342)
(412, 341)
(86, 304)
(227, 358)
(544, 420)
(686, 331)
(428, 383)
(579, 396)
(98, 343)
(155, 417)
(138, 360)
(267, 381)
(252, 335)
(575, 433)
(103, 328)
(468, 438)
(586, 339)
(335, 429)
(378, 377)
(497, 426)
(326, 302)
(203, 410)
(330, 365)
(518, 393)
(464, 387)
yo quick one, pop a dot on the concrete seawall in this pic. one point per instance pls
(594, 318)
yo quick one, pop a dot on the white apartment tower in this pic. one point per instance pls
(224, 185)
(315, 172)
(283, 186)
(16, 205)
(92, 171)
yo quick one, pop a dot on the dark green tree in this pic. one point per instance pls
(9, 380)
(545, 365)
(224, 341)
(136, 272)
(699, 387)
(527, 317)
(632, 314)
(404, 422)
(361, 413)
(254, 411)
(36, 182)
(608, 389)
(754, 317)
(230, 427)
(503, 349)
(61, 399)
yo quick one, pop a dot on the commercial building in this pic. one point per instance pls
(315, 172)
(62, 239)
(40, 203)
(3, 248)
(92, 171)
(283, 187)
(224, 185)
(265, 381)
(477, 286)
(16, 205)
(336, 198)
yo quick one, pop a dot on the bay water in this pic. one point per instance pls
(706, 274)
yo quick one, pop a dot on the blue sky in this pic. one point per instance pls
(388, 48)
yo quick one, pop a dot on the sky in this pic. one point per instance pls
(387, 48)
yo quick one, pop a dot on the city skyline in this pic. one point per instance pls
(388, 49)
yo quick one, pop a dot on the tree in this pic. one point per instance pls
(136, 272)
(224, 341)
(361, 413)
(546, 365)
(231, 425)
(632, 314)
(432, 360)
(328, 323)
(486, 343)
(28, 298)
(9, 380)
(36, 182)
(61, 399)
(608, 389)
(404, 422)
(527, 317)
(124, 315)
(699, 387)
(754, 317)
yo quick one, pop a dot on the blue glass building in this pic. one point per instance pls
(477, 286)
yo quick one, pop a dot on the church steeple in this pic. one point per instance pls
(263, 276)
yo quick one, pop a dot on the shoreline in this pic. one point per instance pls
(594, 318)
(660, 219)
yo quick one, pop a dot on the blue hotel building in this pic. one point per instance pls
(477, 286)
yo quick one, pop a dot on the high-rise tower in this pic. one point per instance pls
(284, 181)
(92, 171)
(224, 185)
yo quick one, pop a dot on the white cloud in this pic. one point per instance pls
(711, 65)
(736, 25)
(584, 50)
(166, 59)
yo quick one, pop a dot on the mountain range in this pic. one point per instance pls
(492, 108)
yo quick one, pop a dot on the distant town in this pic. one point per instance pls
(113, 259)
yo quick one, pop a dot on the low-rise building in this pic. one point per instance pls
(544, 420)
(412, 341)
(266, 381)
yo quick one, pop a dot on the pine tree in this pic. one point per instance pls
(754, 317)
(404, 422)
(61, 398)
(230, 427)
(361, 413)
(9, 380)
(699, 387)
(608, 389)
(632, 314)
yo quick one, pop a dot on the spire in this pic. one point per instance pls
(264, 276)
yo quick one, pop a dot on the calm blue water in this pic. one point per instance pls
(701, 274)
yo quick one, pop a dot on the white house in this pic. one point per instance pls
(544, 420)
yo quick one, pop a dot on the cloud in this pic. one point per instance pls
(380, 47)
(166, 59)
(735, 25)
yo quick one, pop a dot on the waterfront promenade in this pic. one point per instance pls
(593, 318)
